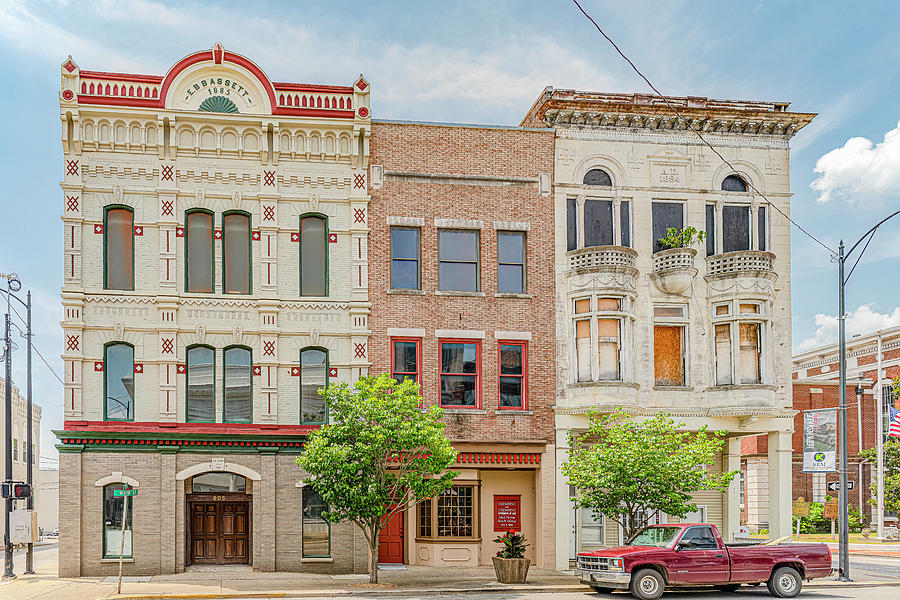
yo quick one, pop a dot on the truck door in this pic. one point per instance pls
(700, 561)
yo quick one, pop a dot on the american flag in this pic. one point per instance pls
(894, 428)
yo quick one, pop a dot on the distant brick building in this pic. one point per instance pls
(462, 290)
(815, 385)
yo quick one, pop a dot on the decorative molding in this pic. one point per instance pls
(512, 335)
(458, 224)
(116, 477)
(459, 333)
(406, 332)
(406, 221)
(512, 225)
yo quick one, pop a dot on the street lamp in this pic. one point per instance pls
(844, 533)
(14, 285)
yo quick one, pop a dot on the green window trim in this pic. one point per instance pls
(327, 378)
(106, 210)
(225, 377)
(249, 253)
(129, 522)
(324, 217)
(212, 265)
(187, 378)
(106, 382)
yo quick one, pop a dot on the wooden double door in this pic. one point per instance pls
(219, 529)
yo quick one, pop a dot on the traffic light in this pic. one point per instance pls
(16, 490)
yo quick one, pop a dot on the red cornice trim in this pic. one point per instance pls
(121, 76)
(313, 112)
(120, 101)
(169, 428)
(311, 87)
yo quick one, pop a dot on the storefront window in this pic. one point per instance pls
(316, 531)
(112, 522)
(452, 514)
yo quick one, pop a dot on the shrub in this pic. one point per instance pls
(513, 545)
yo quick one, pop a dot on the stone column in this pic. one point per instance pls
(779, 484)
(264, 523)
(562, 501)
(733, 496)
(168, 499)
(70, 511)
(579, 219)
(754, 230)
(617, 221)
(720, 233)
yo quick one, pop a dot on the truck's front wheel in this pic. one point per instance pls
(647, 584)
(785, 582)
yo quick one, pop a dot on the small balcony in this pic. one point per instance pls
(673, 270)
(747, 263)
(601, 258)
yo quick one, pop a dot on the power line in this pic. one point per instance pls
(699, 135)
(38, 352)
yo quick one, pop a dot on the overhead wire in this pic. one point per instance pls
(699, 135)
(35, 348)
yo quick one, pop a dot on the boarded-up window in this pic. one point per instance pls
(598, 223)
(668, 354)
(749, 352)
(736, 228)
(608, 348)
(571, 224)
(666, 215)
(723, 355)
(583, 349)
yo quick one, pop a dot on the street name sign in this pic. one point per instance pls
(131, 492)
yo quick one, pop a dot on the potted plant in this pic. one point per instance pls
(673, 268)
(510, 564)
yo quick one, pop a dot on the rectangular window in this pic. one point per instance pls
(511, 262)
(316, 531)
(625, 222)
(238, 386)
(723, 354)
(593, 532)
(665, 216)
(313, 377)
(452, 514)
(112, 522)
(608, 338)
(236, 253)
(460, 369)
(761, 227)
(458, 258)
(735, 228)
(405, 364)
(669, 337)
(512, 375)
(313, 256)
(571, 224)
(200, 376)
(199, 242)
(118, 372)
(405, 249)
(119, 248)
(710, 229)
(598, 223)
(750, 351)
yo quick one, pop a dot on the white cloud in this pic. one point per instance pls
(862, 320)
(860, 169)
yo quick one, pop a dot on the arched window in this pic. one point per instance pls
(238, 386)
(118, 248)
(201, 388)
(734, 183)
(597, 177)
(218, 483)
(118, 370)
(113, 507)
(236, 253)
(313, 255)
(199, 256)
(313, 377)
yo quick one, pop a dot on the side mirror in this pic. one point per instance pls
(684, 544)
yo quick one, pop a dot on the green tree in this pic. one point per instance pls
(628, 470)
(380, 452)
(891, 450)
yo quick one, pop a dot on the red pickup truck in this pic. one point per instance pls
(694, 554)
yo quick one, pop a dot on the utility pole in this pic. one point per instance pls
(843, 524)
(7, 539)
(29, 451)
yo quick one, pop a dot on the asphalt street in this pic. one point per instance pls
(43, 555)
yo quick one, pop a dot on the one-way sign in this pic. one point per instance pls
(834, 486)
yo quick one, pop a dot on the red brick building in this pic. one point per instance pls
(816, 385)
(461, 279)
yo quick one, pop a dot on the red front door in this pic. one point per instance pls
(390, 543)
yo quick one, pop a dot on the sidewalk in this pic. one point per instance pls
(241, 582)
(886, 550)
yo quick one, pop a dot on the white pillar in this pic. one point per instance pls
(754, 230)
(720, 234)
(779, 484)
(616, 221)
(562, 501)
(732, 512)
(579, 227)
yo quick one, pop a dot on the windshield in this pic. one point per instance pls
(654, 536)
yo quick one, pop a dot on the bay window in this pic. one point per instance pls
(512, 375)
(599, 325)
(460, 373)
(450, 515)
(739, 327)
(118, 248)
(669, 345)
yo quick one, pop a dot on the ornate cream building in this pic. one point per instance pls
(215, 277)
(704, 332)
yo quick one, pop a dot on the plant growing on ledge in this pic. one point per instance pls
(380, 452)
(684, 238)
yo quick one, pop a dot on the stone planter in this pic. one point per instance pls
(673, 270)
(511, 570)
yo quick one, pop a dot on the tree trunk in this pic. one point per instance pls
(373, 558)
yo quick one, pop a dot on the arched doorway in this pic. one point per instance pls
(219, 513)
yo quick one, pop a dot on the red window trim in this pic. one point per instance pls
(418, 342)
(524, 376)
(441, 374)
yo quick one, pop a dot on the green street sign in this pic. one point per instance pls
(131, 492)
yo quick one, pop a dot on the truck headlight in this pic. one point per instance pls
(615, 564)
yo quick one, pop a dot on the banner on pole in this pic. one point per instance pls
(820, 440)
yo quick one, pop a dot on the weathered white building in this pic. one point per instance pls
(702, 332)
(19, 442)
(215, 278)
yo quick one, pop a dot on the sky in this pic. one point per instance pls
(486, 62)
